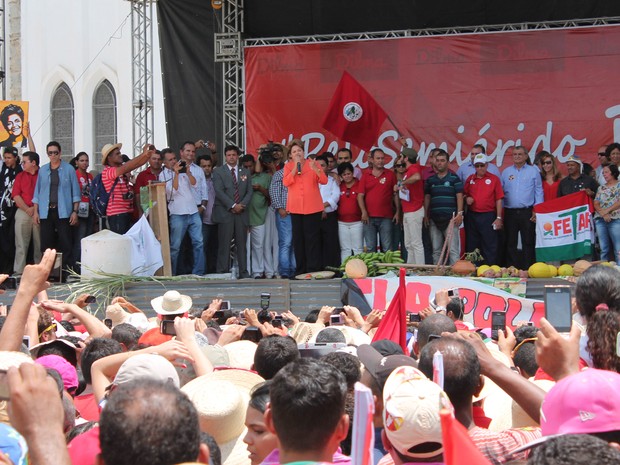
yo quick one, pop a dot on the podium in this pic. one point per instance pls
(158, 219)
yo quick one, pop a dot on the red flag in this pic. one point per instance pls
(458, 448)
(353, 115)
(393, 325)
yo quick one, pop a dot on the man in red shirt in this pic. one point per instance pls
(379, 203)
(411, 194)
(146, 176)
(483, 196)
(25, 227)
(120, 205)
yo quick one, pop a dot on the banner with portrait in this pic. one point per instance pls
(13, 130)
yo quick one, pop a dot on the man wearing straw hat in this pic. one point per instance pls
(116, 183)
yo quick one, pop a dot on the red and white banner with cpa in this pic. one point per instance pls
(554, 90)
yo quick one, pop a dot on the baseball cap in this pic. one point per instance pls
(387, 347)
(410, 154)
(66, 371)
(480, 158)
(381, 367)
(149, 366)
(574, 159)
(411, 413)
(583, 403)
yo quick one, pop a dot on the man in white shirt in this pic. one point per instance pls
(186, 191)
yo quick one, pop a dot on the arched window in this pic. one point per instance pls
(62, 120)
(104, 119)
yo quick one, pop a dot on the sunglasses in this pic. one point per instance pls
(548, 162)
(478, 165)
(601, 154)
(51, 327)
(400, 165)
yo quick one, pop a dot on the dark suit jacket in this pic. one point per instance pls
(225, 194)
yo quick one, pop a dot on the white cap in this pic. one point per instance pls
(480, 158)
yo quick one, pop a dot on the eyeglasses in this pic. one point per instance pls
(400, 165)
(478, 165)
(601, 154)
(53, 152)
(51, 327)
(529, 339)
(548, 162)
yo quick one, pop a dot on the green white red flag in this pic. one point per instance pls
(564, 229)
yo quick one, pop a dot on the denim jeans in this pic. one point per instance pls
(384, 227)
(608, 238)
(179, 225)
(286, 257)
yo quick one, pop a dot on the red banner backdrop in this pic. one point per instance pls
(556, 90)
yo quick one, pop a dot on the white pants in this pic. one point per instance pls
(271, 244)
(351, 237)
(412, 224)
(438, 237)
(257, 242)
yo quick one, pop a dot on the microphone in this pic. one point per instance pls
(298, 167)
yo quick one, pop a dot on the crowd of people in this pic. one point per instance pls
(282, 213)
(204, 385)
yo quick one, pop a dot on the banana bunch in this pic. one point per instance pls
(372, 258)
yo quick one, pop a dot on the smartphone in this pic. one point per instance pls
(558, 307)
(218, 314)
(4, 386)
(90, 299)
(498, 322)
(225, 305)
(151, 147)
(183, 166)
(55, 275)
(277, 321)
(414, 318)
(26, 341)
(336, 320)
(108, 322)
(8, 284)
(265, 297)
(251, 333)
(167, 327)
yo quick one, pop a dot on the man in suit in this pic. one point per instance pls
(233, 191)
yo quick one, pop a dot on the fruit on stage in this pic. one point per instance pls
(565, 270)
(539, 270)
(464, 268)
(356, 269)
(481, 269)
(553, 271)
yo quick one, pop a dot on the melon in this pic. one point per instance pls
(553, 271)
(539, 270)
(580, 266)
(356, 269)
(481, 269)
(565, 270)
(496, 268)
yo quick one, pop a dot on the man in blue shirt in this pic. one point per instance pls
(56, 198)
(467, 168)
(522, 186)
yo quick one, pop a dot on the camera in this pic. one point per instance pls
(336, 320)
(277, 321)
(129, 195)
(265, 297)
(8, 284)
(414, 318)
(167, 327)
(183, 166)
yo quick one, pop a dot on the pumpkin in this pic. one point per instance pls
(464, 267)
(356, 269)
(580, 266)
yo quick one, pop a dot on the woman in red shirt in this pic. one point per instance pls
(350, 226)
(302, 178)
(550, 175)
(86, 217)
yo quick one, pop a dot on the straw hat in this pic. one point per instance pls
(304, 332)
(107, 150)
(171, 303)
(119, 315)
(241, 354)
(221, 399)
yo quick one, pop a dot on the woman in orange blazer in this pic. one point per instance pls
(302, 178)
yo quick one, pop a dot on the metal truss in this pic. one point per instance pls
(142, 72)
(3, 48)
(576, 23)
(228, 51)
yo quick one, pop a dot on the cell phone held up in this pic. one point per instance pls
(498, 323)
(183, 165)
(8, 284)
(558, 307)
(167, 327)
